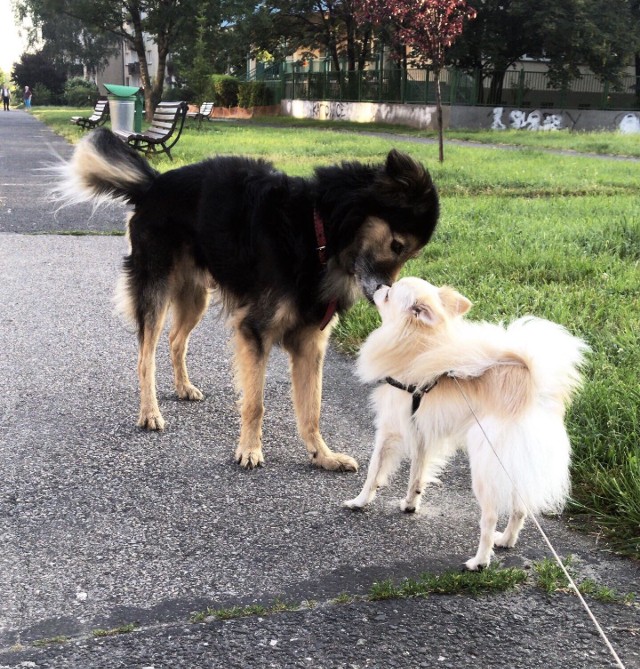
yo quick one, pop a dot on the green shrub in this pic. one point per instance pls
(79, 92)
(223, 89)
(178, 93)
(42, 95)
(254, 94)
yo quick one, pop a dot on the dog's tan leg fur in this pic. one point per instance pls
(150, 416)
(250, 368)
(189, 306)
(307, 351)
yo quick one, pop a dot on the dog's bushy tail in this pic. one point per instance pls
(534, 451)
(555, 357)
(103, 168)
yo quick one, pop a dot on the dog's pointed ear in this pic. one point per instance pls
(455, 304)
(405, 170)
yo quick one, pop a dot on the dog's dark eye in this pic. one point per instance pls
(397, 247)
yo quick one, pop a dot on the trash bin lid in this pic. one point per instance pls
(122, 91)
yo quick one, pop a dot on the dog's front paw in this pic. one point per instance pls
(408, 507)
(355, 504)
(189, 392)
(476, 564)
(335, 462)
(151, 420)
(502, 540)
(249, 458)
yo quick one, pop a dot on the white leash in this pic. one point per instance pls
(544, 536)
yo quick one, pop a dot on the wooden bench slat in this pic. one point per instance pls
(98, 117)
(165, 129)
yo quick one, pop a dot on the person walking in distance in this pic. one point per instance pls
(6, 95)
(28, 94)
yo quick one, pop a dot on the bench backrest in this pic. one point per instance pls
(166, 116)
(206, 108)
(101, 108)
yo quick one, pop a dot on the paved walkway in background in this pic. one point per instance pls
(103, 525)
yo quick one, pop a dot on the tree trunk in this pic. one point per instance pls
(137, 42)
(158, 84)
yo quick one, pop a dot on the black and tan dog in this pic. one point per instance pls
(286, 254)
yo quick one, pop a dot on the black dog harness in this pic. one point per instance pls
(417, 393)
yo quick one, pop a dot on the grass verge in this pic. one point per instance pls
(547, 576)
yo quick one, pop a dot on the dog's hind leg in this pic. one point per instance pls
(488, 522)
(150, 416)
(509, 537)
(306, 349)
(384, 461)
(189, 304)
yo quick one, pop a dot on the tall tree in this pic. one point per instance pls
(328, 25)
(426, 28)
(226, 33)
(130, 20)
(501, 33)
(73, 47)
(565, 35)
(38, 69)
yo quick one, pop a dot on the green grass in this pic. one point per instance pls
(521, 232)
(551, 578)
(547, 576)
(233, 612)
(610, 142)
(493, 580)
(115, 631)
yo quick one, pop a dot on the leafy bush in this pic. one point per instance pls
(223, 89)
(79, 92)
(178, 93)
(254, 94)
(43, 96)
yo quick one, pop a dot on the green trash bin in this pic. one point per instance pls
(125, 107)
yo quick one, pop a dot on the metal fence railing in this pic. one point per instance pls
(315, 80)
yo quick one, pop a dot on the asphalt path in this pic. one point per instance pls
(104, 526)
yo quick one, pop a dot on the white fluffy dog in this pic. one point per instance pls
(438, 370)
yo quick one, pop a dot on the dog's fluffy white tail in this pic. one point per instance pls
(103, 168)
(555, 357)
(533, 452)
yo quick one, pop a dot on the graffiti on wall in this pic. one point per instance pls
(518, 119)
(329, 111)
(630, 123)
(521, 120)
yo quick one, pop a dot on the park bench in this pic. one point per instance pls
(163, 133)
(98, 117)
(204, 112)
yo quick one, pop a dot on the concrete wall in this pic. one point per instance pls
(523, 118)
(415, 116)
(463, 117)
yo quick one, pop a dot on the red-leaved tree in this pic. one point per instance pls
(425, 28)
